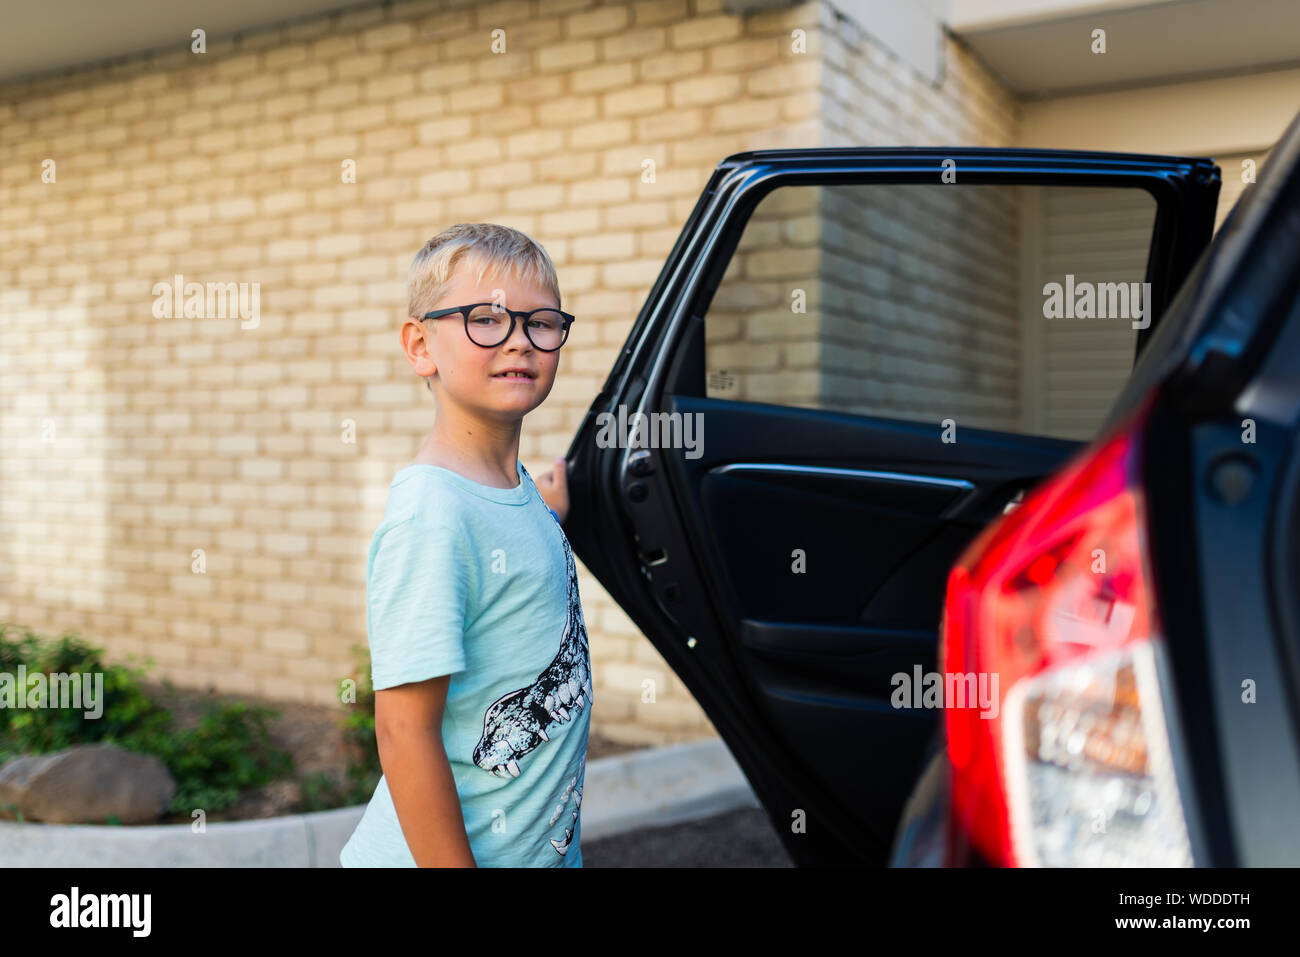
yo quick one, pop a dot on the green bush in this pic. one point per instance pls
(320, 793)
(127, 709)
(229, 752)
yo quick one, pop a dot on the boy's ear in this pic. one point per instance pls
(415, 343)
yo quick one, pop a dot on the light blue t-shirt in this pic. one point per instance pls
(480, 583)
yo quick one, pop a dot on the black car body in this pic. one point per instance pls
(797, 672)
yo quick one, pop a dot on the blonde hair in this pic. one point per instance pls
(495, 248)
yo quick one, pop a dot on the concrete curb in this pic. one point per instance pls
(658, 786)
(645, 788)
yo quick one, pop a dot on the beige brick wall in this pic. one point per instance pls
(129, 442)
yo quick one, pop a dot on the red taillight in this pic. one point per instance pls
(1045, 603)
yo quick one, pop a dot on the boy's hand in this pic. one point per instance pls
(554, 487)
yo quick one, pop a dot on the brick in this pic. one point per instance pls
(360, 66)
(595, 23)
(284, 56)
(632, 44)
(704, 90)
(746, 54)
(567, 111)
(387, 36)
(604, 77)
(567, 56)
(490, 15)
(308, 77)
(504, 120)
(530, 144)
(603, 133)
(444, 130)
(535, 89)
(418, 107)
(334, 95)
(562, 167)
(289, 104)
(671, 66)
(570, 222)
(443, 183)
(659, 11)
(502, 68)
(605, 246)
(363, 118)
(534, 197)
(636, 101)
(704, 31)
(797, 73)
(500, 175)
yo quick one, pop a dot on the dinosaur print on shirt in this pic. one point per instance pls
(520, 721)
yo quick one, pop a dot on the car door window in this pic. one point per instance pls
(1013, 307)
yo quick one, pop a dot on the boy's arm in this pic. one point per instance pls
(408, 729)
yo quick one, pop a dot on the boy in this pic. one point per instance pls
(479, 654)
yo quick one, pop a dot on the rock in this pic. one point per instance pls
(14, 775)
(87, 784)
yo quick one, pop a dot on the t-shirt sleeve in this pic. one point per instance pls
(417, 597)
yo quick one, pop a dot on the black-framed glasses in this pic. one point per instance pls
(486, 325)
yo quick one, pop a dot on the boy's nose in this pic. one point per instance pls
(518, 337)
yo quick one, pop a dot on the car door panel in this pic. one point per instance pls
(818, 649)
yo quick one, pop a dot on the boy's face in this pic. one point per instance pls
(469, 375)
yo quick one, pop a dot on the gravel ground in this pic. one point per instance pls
(743, 838)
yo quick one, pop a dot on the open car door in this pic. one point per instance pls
(852, 361)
